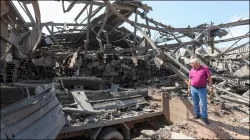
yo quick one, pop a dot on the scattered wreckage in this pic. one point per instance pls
(96, 74)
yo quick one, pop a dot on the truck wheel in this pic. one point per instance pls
(110, 134)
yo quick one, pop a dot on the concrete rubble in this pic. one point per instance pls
(231, 125)
(163, 133)
(100, 70)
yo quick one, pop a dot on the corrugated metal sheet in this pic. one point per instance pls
(37, 117)
(243, 50)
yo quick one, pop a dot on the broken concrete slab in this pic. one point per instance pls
(148, 133)
(175, 135)
(168, 128)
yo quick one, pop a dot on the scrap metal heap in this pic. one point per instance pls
(95, 66)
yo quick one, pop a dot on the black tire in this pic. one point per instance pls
(110, 134)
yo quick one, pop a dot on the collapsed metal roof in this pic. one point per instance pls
(113, 56)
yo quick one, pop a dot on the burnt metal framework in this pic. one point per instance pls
(102, 33)
(95, 57)
(99, 46)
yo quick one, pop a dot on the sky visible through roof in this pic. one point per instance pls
(175, 13)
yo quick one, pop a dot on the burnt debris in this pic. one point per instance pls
(100, 67)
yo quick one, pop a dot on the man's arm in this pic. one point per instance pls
(189, 86)
(189, 83)
(209, 80)
(210, 84)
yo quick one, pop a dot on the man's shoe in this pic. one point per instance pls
(205, 120)
(197, 117)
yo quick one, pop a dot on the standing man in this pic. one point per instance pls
(197, 85)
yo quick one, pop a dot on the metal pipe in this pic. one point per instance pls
(76, 110)
(169, 46)
(236, 48)
(89, 18)
(106, 36)
(29, 14)
(93, 14)
(218, 96)
(51, 33)
(149, 33)
(83, 9)
(114, 27)
(232, 24)
(177, 72)
(134, 27)
(177, 62)
(99, 33)
(234, 100)
(72, 4)
(231, 39)
(28, 24)
(234, 42)
(233, 94)
(38, 21)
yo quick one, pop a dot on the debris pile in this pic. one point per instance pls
(77, 119)
(161, 134)
(227, 123)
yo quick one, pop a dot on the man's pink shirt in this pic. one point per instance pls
(199, 76)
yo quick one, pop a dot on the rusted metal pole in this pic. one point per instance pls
(135, 27)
